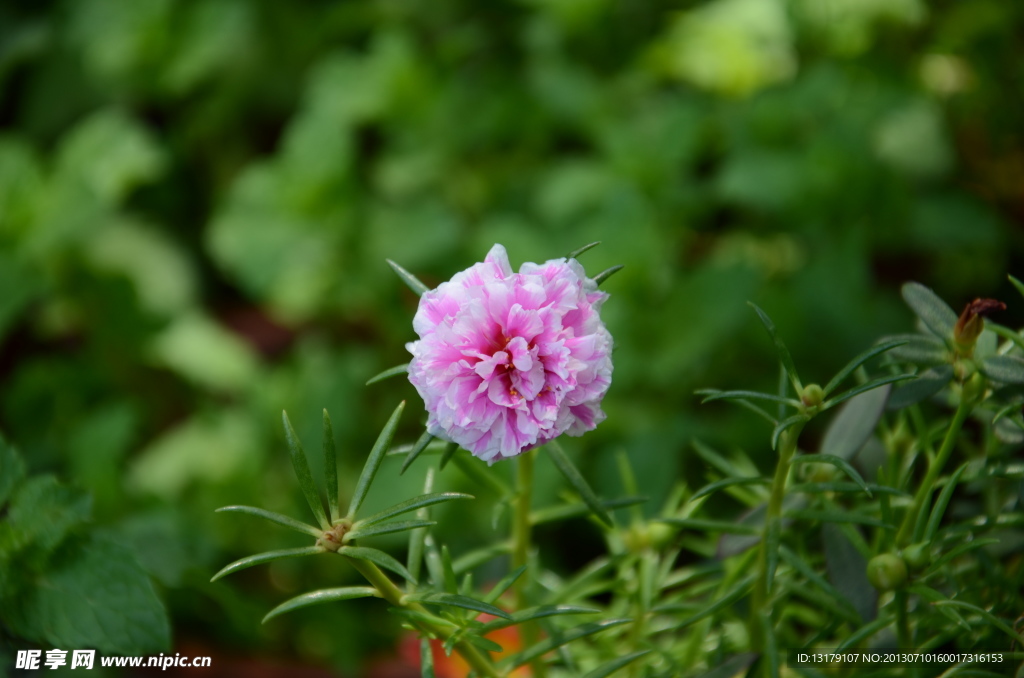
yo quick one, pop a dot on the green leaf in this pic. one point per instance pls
(818, 488)
(446, 456)
(1017, 284)
(446, 568)
(477, 557)
(506, 582)
(737, 591)
(864, 632)
(426, 659)
(566, 467)
(390, 372)
(12, 470)
(781, 427)
(414, 559)
(832, 516)
(409, 279)
(531, 613)
(322, 596)
(942, 502)
(376, 557)
(842, 604)
(456, 600)
(854, 423)
(864, 388)
(847, 571)
(417, 450)
(301, 466)
(613, 665)
(919, 349)
(44, 511)
(959, 551)
(413, 504)
(924, 385)
(1008, 369)
(838, 462)
(260, 558)
(1004, 332)
(860, 360)
(702, 525)
(330, 468)
(771, 649)
(714, 394)
(387, 528)
(548, 644)
(933, 311)
(607, 273)
(97, 596)
(575, 254)
(780, 348)
(290, 523)
(728, 482)
(933, 596)
(373, 461)
(731, 667)
(565, 511)
(986, 615)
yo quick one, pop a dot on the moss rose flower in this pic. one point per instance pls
(507, 361)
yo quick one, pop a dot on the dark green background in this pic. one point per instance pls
(196, 200)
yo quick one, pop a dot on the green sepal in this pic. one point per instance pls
(417, 449)
(322, 596)
(838, 462)
(330, 468)
(283, 520)
(301, 466)
(572, 474)
(860, 360)
(780, 348)
(607, 273)
(388, 373)
(387, 528)
(373, 461)
(377, 557)
(409, 279)
(413, 504)
(548, 644)
(613, 665)
(260, 558)
(933, 311)
(459, 601)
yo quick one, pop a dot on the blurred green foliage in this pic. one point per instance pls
(196, 199)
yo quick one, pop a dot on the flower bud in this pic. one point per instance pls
(887, 572)
(972, 321)
(812, 395)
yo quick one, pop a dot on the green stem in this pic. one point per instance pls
(521, 551)
(480, 663)
(963, 410)
(787, 448)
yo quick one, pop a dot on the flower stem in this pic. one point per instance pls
(480, 663)
(762, 585)
(935, 468)
(521, 551)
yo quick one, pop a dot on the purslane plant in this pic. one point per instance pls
(906, 558)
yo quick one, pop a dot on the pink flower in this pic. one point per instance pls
(507, 361)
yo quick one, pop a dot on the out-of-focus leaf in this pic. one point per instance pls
(12, 470)
(532, 613)
(206, 353)
(847, 571)
(923, 386)
(785, 425)
(728, 482)
(456, 600)
(942, 502)
(731, 667)
(613, 665)
(43, 512)
(854, 423)
(548, 644)
(735, 592)
(553, 513)
(426, 659)
(269, 556)
(96, 579)
(933, 311)
(322, 596)
(867, 355)
(838, 462)
(865, 388)
(1008, 369)
(920, 349)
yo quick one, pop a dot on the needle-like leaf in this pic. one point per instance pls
(259, 558)
(417, 449)
(607, 273)
(410, 505)
(860, 360)
(373, 461)
(780, 348)
(933, 311)
(330, 468)
(322, 596)
(388, 373)
(376, 557)
(577, 252)
(572, 474)
(301, 466)
(456, 600)
(290, 523)
(409, 279)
